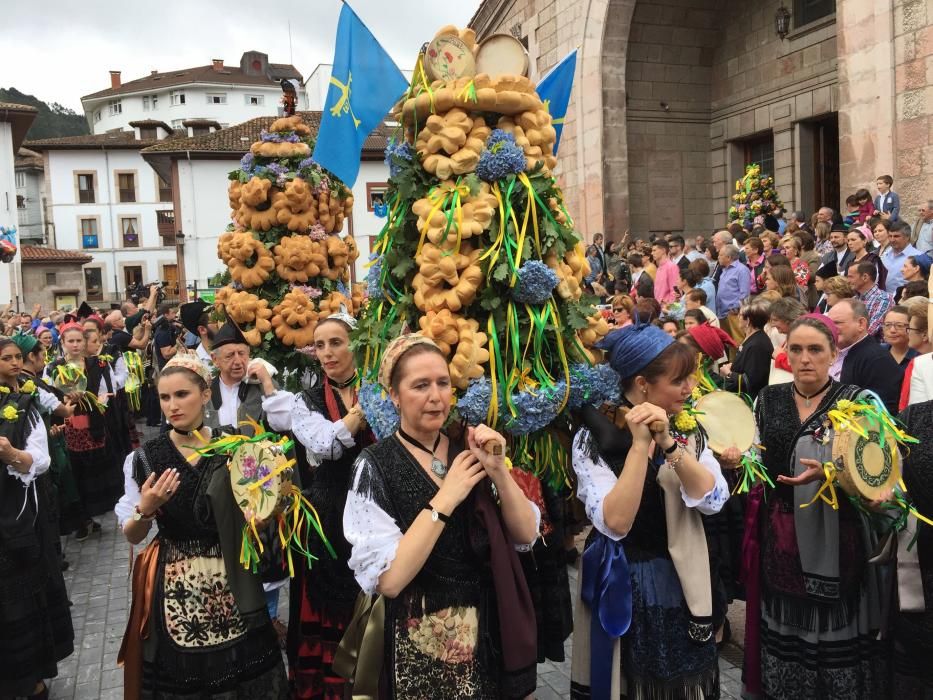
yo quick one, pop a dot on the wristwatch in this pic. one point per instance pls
(437, 515)
(139, 515)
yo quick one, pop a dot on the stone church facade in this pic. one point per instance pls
(673, 97)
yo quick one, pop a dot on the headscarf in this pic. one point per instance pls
(829, 323)
(712, 341)
(394, 352)
(632, 348)
(25, 343)
(191, 362)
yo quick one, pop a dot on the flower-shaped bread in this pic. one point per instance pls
(249, 262)
(295, 319)
(298, 259)
(441, 327)
(446, 280)
(471, 355)
(249, 310)
(337, 254)
(296, 206)
(474, 217)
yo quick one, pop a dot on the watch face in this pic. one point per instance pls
(434, 515)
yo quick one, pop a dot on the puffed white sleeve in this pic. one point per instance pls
(713, 501)
(323, 438)
(126, 506)
(120, 373)
(278, 409)
(528, 546)
(37, 445)
(103, 392)
(48, 401)
(373, 533)
(594, 482)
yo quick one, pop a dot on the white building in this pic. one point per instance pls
(216, 92)
(104, 200)
(15, 121)
(199, 168)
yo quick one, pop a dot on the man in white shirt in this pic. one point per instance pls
(243, 388)
(195, 317)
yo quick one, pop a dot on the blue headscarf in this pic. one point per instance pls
(632, 348)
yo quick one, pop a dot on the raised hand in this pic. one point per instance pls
(156, 492)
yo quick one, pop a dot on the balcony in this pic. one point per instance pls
(165, 222)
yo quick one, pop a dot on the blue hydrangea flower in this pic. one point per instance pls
(373, 281)
(473, 406)
(536, 282)
(592, 386)
(379, 409)
(277, 169)
(247, 162)
(306, 163)
(274, 137)
(536, 409)
(395, 152)
(342, 288)
(501, 157)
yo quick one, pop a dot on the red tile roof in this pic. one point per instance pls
(42, 254)
(115, 139)
(28, 159)
(20, 118)
(142, 123)
(228, 75)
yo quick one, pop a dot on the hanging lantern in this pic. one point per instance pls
(782, 21)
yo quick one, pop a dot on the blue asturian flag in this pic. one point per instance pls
(554, 90)
(364, 85)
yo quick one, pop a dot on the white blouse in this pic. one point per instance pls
(374, 534)
(595, 480)
(120, 373)
(324, 439)
(37, 445)
(126, 506)
(277, 407)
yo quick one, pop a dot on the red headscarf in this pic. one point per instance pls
(712, 341)
(70, 326)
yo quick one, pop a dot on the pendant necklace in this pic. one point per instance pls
(437, 466)
(806, 398)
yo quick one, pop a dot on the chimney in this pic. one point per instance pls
(218, 64)
(114, 79)
(153, 72)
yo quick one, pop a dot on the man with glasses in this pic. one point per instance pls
(677, 252)
(896, 323)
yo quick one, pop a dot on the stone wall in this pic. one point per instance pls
(69, 278)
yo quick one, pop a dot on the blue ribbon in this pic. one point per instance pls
(607, 591)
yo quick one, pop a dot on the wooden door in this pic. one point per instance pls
(170, 277)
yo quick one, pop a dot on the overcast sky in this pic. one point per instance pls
(66, 50)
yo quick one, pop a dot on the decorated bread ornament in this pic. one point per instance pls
(293, 123)
(256, 210)
(223, 245)
(596, 330)
(295, 319)
(337, 254)
(250, 263)
(441, 327)
(446, 280)
(233, 194)
(298, 259)
(249, 310)
(474, 217)
(280, 149)
(471, 354)
(296, 206)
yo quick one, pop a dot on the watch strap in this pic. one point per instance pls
(440, 516)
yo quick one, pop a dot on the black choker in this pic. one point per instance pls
(350, 381)
(187, 433)
(437, 466)
(817, 393)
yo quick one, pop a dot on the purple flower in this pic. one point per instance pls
(274, 137)
(249, 467)
(309, 351)
(277, 169)
(306, 163)
(312, 292)
(247, 162)
(317, 233)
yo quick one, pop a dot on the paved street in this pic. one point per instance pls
(98, 582)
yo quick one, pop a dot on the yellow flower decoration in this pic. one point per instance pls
(9, 413)
(4, 390)
(684, 422)
(844, 405)
(696, 394)
(28, 388)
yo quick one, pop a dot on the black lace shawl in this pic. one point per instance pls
(918, 477)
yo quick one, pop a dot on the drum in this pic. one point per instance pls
(261, 479)
(727, 420)
(502, 54)
(69, 378)
(447, 58)
(864, 467)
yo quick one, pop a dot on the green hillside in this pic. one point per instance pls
(53, 120)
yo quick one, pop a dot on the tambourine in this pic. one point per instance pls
(261, 479)
(502, 54)
(727, 421)
(865, 467)
(447, 58)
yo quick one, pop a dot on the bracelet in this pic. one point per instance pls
(674, 461)
(670, 450)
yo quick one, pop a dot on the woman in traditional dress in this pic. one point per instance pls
(97, 475)
(806, 570)
(749, 373)
(35, 620)
(913, 626)
(646, 568)
(428, 536)
(198, 626)
(330, 426)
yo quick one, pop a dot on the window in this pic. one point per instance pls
(145, 103)
(216, 98)
(177, 123)
(761, 151)
(126, 184)
(148, 133)
(255, 100)
(129, 226)
(806, 11)
(94, 283)
(20, 179)
(165, 190)
(133, 275)
(97, 116)
(177, 98)
(20, 201)
(50, 280)
(89, 233)
(155, 102)
(114, 107)
(150, 102)
(86, 188)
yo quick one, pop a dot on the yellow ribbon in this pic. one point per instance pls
(492, 415)
(439, 197)
(829, 485)
(562, 353)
